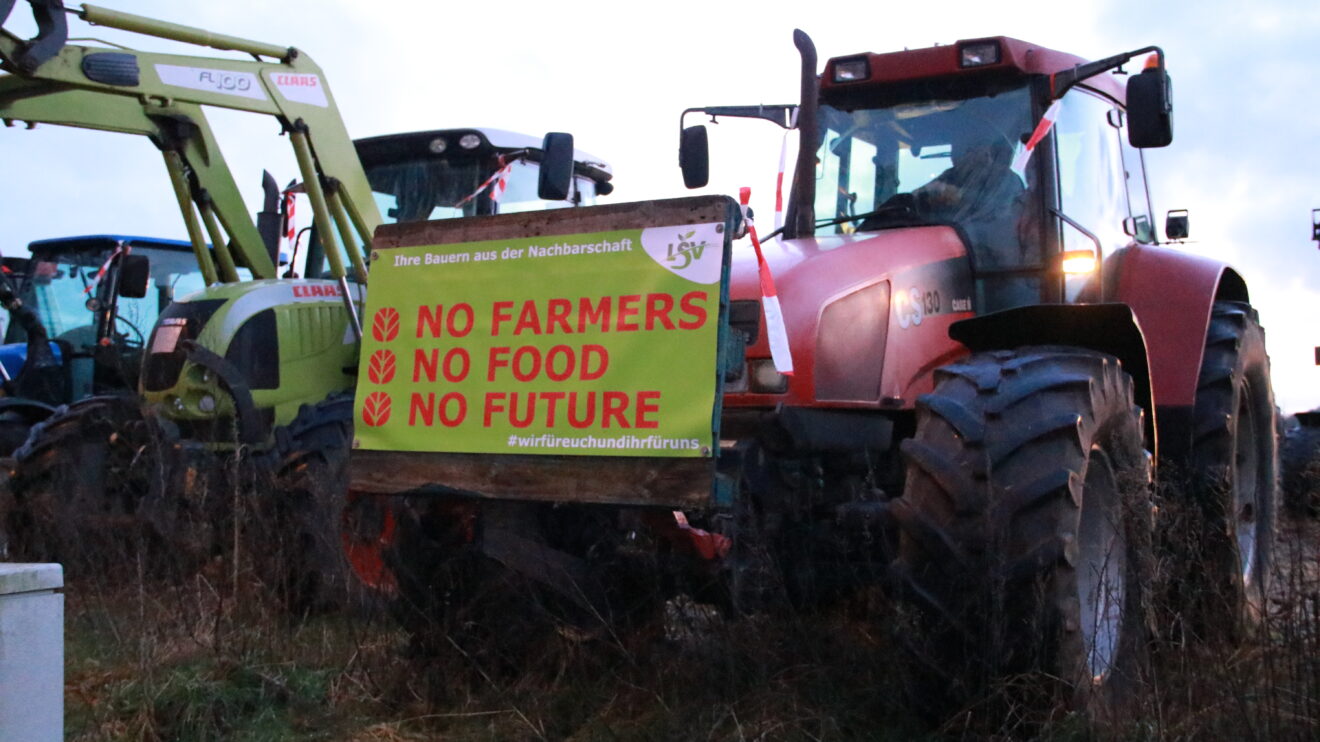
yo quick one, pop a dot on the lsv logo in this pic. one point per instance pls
(686, 251)
(692, 251)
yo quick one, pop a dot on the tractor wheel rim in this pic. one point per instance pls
(1246, 487)
(1101, 566)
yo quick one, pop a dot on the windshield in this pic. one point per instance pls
(426, 189)
(928, 161)
(447, 188)
(59, 290)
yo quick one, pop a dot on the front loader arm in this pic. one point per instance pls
(169, 91)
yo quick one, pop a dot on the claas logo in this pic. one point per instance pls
(314, 290)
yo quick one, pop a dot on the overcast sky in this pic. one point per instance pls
(1245, 159)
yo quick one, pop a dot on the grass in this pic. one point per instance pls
(213, 657)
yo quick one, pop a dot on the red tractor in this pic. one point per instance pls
(969, 275)
(991, 359)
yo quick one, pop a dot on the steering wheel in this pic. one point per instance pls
(899, 208)
(134, 341)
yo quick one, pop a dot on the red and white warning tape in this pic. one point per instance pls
(502, 182)
(290, 227)
(499, 180)
(779, 181)
(121, 249)
(1042, 128)
(776, 332)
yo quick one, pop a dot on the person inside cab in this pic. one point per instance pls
(980, 185)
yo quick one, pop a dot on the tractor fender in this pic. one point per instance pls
(48, 431)
(1106, 328)
(29, 409)
(1171, 293)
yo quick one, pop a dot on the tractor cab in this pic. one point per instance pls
(96, 297)
(453, 173)
(934, 185)
(956, 136)
(450, 173)
(948, 136)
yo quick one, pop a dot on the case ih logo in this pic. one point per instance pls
(376, 409)
(315, 290)
(381, 368)
(385, 325)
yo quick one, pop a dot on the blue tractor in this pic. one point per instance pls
(77, 308)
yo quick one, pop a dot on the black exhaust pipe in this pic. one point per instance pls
(270, 222)
(801, 218)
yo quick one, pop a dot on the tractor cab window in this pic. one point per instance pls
(521, 186)
(928, 161)
(1142, 222)
(174, 275)
(71, 297)
(431, 189)
(1093, 185)
(422, 190)
(59, 288)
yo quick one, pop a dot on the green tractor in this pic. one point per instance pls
(231, 370)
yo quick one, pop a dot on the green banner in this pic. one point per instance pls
(598, 344)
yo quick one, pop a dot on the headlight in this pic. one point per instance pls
(852, 70)
(438, 146)
(766, 380)
(1075, 262)
(469, 141)
(979, 54)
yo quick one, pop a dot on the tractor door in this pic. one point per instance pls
(1103, 204)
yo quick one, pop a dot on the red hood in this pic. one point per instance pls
(809, 272)
(841, 366)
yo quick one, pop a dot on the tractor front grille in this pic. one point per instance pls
(160, 370)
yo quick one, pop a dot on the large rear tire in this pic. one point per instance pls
(85, 484)
(1025, 525)
(1300, 460)
(298, 546)
(1235, 470)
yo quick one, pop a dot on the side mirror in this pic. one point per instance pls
(1150, 109)
(555, 182)
(1176, 226)
(134, 276)
(694, 156)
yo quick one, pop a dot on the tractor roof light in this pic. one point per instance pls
(438, 146)
(1078, 262)
(852, 70)
(469, 141)
(979, 54)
